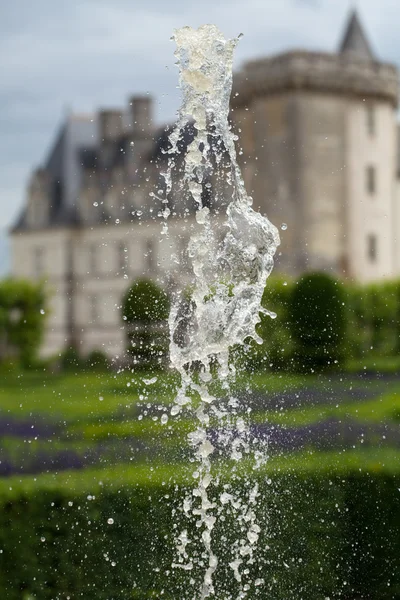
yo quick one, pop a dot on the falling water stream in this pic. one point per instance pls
(231, 255)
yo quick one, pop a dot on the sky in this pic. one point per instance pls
(83, 55)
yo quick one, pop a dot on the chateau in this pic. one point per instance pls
(320, 153)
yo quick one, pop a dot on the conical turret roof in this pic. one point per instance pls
(355, 41)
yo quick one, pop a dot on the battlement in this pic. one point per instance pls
(316, 71)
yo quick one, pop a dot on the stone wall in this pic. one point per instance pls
(371, 213)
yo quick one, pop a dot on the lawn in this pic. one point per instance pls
(54, 423)
(81, 451)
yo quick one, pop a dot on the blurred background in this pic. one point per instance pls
(86, 55)
(89, 95)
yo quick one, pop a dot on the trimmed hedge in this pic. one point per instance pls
(373, 319)
(318, 321)
(276, 350)
(22, 320)
(321, 320)
(145, 311)
(335, 536)
(145, 302)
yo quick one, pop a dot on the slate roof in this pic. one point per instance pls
(355, 41)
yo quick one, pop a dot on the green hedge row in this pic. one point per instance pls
(322, 537)
(374, 319)
(145, 309)
(321, 320)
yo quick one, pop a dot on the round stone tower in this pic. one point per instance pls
(319, 138)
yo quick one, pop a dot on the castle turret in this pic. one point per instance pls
(354, 42)
(321, 130)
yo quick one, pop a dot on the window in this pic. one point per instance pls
(371, 121)
(38, 260)
(93, 309)
(183, 251)
(92, 252)
(122, 257)
(69, 257)
(149, 254)
(372, 247)
(371, 179)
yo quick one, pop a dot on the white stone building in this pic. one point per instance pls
(320, 145)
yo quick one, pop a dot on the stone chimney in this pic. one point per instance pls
(111, 125)
(39, 199)
(142, 115)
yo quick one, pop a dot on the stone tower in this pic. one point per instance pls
(319, 135)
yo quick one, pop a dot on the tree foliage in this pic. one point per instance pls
(318, 321)
(276, 348)
(22, 320)
(145, 302)
(145, 311)
(97, 360)
(374, 319)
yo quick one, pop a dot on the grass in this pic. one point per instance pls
(107, 413)
(386, 364)
(73, 397)
(103, 397)
(95, 480)
(382, 409)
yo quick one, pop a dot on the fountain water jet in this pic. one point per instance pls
(231, 260)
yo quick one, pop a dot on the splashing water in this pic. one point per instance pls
(231, 258)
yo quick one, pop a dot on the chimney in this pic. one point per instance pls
(142, 114)
(111, 125)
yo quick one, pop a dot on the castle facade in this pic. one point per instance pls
(320, 153)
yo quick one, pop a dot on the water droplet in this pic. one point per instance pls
(95, 203)
(284, 226)
(110, 521)
(42, 312)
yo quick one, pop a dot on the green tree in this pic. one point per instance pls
(22, 320)
(276, 349)
(317, 313)
(145, 311)
(97, 360)
(71, 360)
